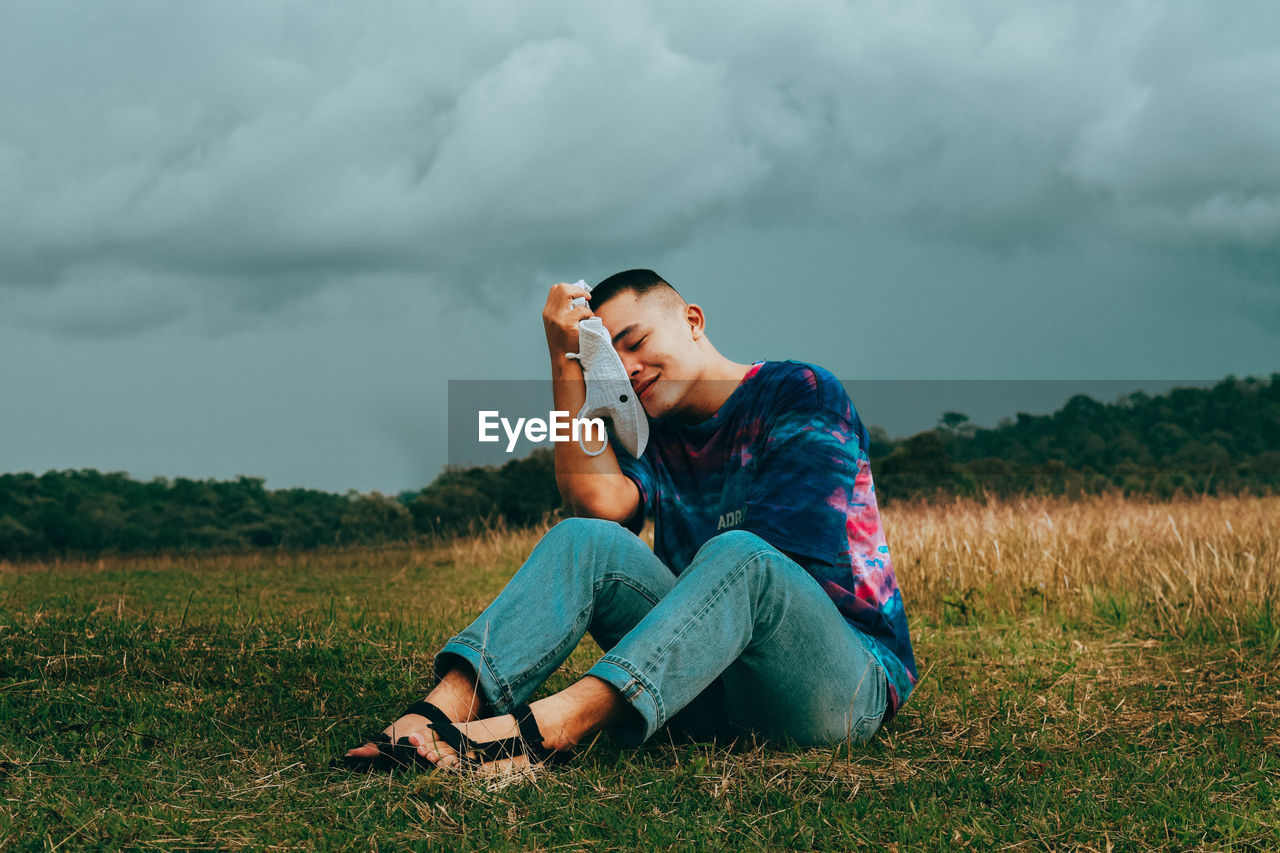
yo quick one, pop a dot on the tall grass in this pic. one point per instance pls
(1184, 567)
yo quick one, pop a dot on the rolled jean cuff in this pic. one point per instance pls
(639, 692)
(492, 686)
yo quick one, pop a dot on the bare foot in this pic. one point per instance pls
(565, 719)
(548, 714)
(456, 695)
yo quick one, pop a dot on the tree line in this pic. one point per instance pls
(1224, 439)
(87, 512)
(1219, 440)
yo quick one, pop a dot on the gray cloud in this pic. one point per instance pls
(162, 162)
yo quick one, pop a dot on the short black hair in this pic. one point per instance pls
(638, 282)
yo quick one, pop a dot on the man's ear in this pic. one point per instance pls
(696, 319)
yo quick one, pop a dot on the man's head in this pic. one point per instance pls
(658, 336)
(639, 282)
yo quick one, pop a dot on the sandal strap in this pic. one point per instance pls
(438, 718)
(424, 708)
(530, 740)
(498, 750)
(449, 733)
(530, 734)
(440, 723)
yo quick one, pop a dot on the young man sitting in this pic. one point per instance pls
(767, 605)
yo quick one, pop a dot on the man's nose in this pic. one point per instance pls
(631, 365)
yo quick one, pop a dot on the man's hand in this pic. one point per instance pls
(592, 486)
(560, 319)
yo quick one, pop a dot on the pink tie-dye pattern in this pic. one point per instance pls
(868, 548)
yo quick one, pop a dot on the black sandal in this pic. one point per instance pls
(392, 756)
(403, 755)
(471, 755)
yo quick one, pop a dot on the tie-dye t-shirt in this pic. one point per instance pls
(785, 458)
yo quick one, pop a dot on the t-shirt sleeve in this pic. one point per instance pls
(806, 473)
(641, 472)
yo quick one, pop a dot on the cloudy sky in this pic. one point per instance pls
(260, 238)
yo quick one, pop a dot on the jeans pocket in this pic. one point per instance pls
(866, 727)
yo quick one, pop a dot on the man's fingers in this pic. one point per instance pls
(561, 316)
(562, 310)
(564, 290)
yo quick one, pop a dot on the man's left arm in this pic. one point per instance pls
(811, 472)
(813, 499)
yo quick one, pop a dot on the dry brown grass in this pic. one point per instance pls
(1212, 558)
(1215, 559)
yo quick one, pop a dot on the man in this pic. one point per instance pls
(768, 604)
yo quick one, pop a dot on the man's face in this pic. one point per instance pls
(656, 339)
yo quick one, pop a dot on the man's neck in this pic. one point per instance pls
(715, 386)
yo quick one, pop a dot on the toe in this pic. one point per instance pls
(434, 752)
(368, 750)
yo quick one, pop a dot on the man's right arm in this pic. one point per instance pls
(591, 486)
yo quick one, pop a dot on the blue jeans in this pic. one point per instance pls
(744, 640)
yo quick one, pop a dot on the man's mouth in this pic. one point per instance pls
(646, 385)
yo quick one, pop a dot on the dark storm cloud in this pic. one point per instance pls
(163, 160)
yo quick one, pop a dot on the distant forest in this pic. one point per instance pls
(1191, 441)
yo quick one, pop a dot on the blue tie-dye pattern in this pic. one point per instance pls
(785, 457)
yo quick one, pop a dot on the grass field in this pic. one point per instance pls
(1102, 675)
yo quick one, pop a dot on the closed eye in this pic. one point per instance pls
(636, 345)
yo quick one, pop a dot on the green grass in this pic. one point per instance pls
(194, 704)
